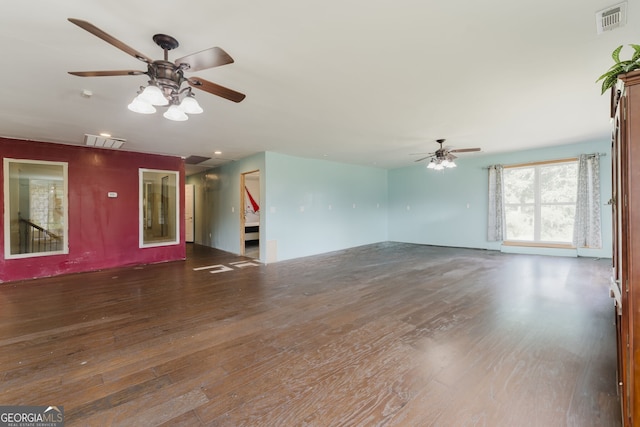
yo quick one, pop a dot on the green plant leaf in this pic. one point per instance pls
(608, 83)
(613, 72)
(617, 66)
(610, 78)
(608, 73)
(616, 54)
(636, 53)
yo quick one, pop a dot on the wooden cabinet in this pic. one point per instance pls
(625, 280)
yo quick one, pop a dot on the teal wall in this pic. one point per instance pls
(311, 206)
(218, 203)
(307, 206)
(449, 208)
(316, 206)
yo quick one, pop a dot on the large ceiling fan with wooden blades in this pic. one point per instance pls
(165, 75)
(443, 157)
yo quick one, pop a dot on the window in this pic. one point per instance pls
(540, 201)
(159, 210)
(35, 206)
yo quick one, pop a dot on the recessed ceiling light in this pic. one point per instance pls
(105, 134)
(217, 152)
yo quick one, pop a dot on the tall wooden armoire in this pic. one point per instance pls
(625, 281)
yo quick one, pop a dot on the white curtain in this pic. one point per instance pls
(586, 228)
(496, 228)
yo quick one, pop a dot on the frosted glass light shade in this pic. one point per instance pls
(176, 114)
(190, 106)
(140, 106)
(153, 95)
(431, 165)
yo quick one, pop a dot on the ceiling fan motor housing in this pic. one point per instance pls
(167, 76)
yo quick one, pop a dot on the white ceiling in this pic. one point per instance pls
(363, 82)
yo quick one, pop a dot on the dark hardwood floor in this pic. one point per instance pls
(387, 334)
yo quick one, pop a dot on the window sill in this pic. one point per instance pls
(538, 244)
(537, 248)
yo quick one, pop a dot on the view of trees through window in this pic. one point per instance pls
(540, 201)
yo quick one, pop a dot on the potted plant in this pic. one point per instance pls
(610, 78)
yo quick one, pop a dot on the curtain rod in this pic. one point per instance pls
(546, 161)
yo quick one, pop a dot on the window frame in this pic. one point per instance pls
(537, 204)
(7, 208)
(141, 208)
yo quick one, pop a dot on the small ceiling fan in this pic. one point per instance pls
(443, 157)
(164, 75)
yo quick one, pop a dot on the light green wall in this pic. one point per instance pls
(311, 206)
(317, 206)
(218, 203)
(449, 208)
(307, 206)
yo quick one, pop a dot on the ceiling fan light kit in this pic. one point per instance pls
(166, 78)
(440, 164)
(176, 114)
(190, 106)
(142, 107)
(443, 158)
(153, 95)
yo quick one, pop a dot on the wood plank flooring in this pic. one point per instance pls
(381, 335)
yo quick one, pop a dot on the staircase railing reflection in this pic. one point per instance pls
(34, 238)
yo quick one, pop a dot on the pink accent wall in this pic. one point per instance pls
(103, 232)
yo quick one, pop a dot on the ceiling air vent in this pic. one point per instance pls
(611, 17)
(194, 160)
(103, 141)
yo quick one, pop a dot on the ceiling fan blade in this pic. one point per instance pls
(107, 73)
(110, 39)
(451, 156)
(204, 59)
(216, 89)
(424, 158)
(464, 150)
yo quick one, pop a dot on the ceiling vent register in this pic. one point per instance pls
(102, 141)
(611, 17)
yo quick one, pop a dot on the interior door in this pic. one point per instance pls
(250, 222)
(188, 213)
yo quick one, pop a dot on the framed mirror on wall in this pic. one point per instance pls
(35, 208)
(159, 208)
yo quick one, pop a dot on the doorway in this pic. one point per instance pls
(250, 214)
(189, 223)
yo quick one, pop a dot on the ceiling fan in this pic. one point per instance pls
(443, 157)
(166, 78)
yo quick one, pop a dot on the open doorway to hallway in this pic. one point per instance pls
(250, 214)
